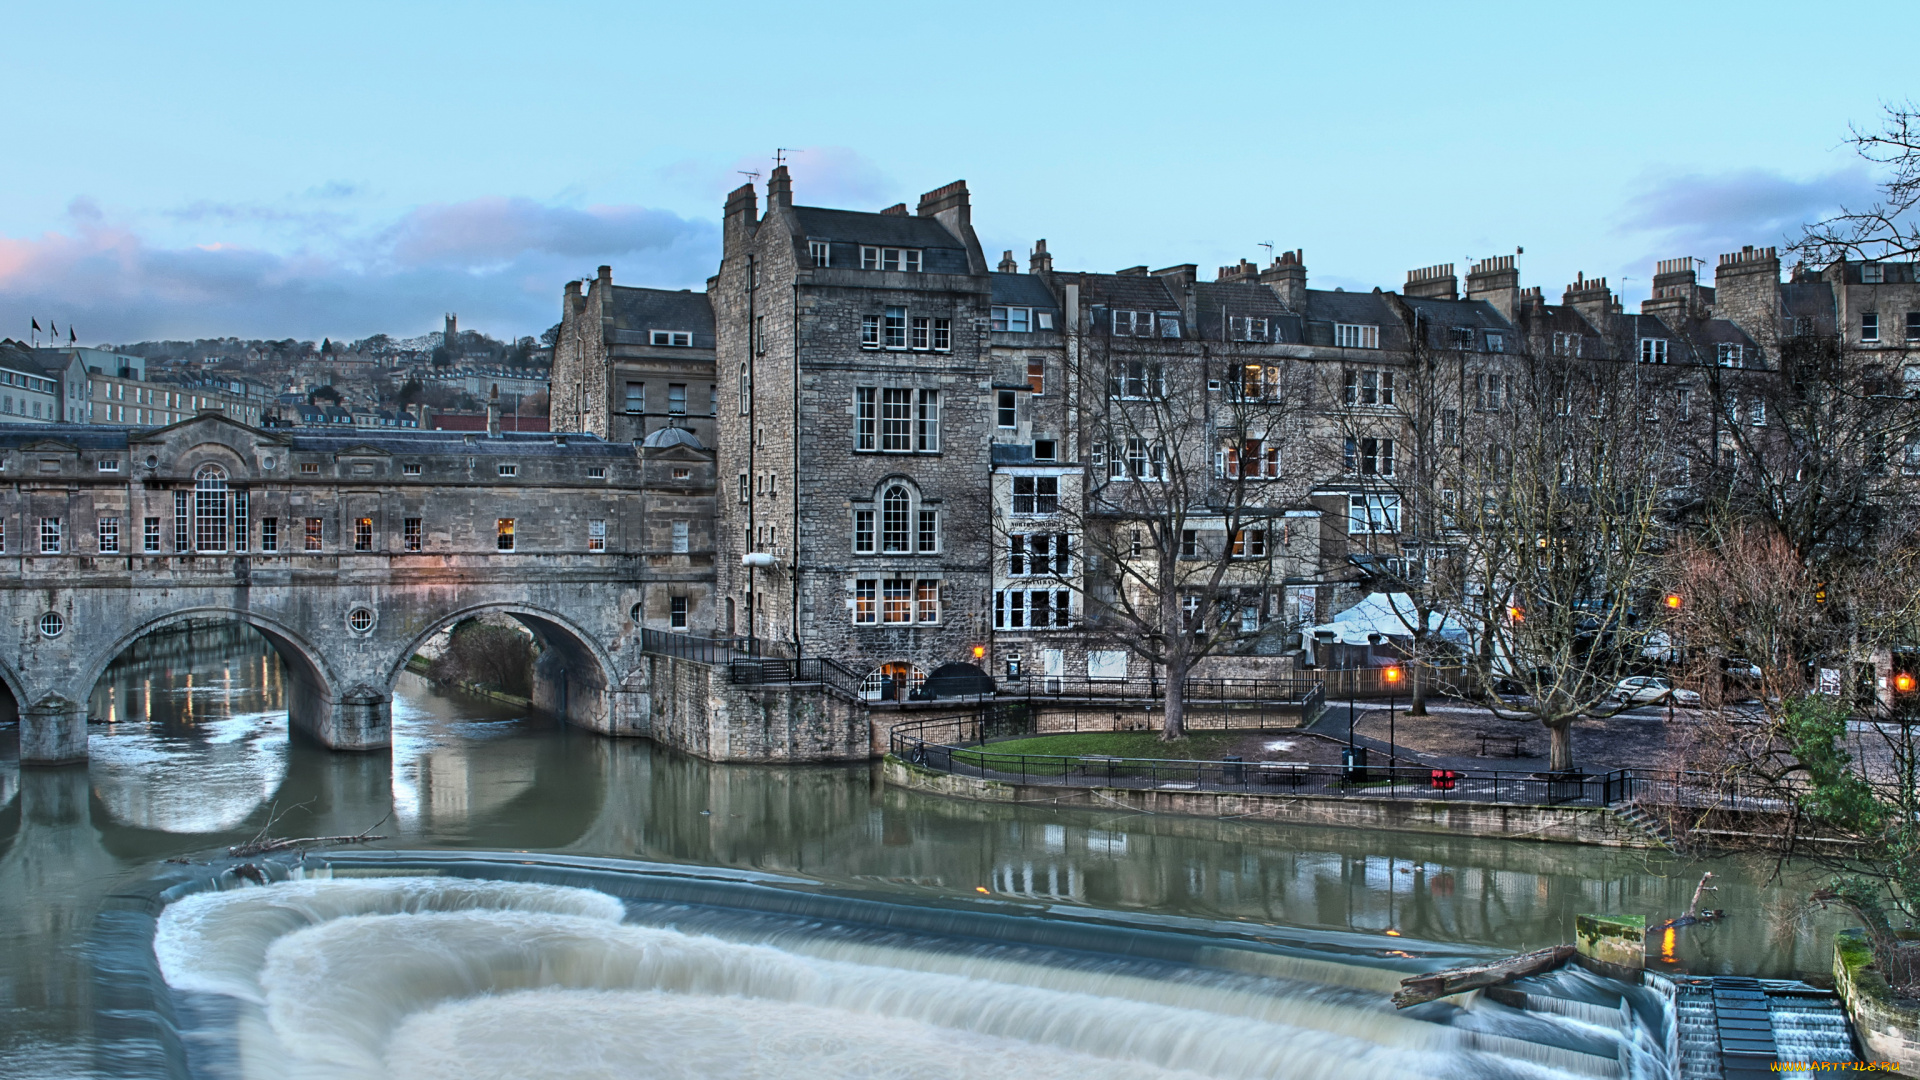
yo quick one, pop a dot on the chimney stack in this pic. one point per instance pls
(779, 187)
(1007, 265)
(743, 209)
(1040, 262)
(1591, 298)
(1288, 279)
(1436, 282)
(1497, 281)
(1245, 271)
(493, 412)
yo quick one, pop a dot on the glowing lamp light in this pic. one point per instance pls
(1673, 600)
(980, 888)
(1393, 933)
(1517, 614)
(1903, 682)
(979, 651)
(1393, 674)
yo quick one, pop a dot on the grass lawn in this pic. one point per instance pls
(1200, 746)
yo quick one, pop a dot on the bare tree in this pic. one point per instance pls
(1888, 227)
(1561, 526)
(1182, 523)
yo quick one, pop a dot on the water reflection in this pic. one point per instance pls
(192, 753)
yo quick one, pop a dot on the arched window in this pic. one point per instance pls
(895, 508)
(210, 508)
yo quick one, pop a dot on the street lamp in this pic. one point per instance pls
(1392, 675)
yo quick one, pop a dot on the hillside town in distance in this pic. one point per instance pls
(441, 380)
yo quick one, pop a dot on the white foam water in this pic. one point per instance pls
(443, 977)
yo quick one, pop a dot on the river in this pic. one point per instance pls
(192, 754)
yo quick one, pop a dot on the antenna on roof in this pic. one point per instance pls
(1268, 244)
(750, 174)
(780, 154)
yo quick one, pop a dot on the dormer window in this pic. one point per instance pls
(1134, 324)
(819, 252)
(1013, 320)
(1728, 355)
(1653, 350)
(886, 258)
(1872, 273)
(679, 339)
(1246, 328)
(1356, 336)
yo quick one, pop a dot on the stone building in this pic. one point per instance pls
(907, 443)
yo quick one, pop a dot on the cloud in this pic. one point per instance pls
(1705, 214)
(499, 261)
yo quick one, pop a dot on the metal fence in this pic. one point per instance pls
(964, 745)
(705, 650)
(812, 670)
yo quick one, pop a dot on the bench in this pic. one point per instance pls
(1277, 772)
(1514, 744)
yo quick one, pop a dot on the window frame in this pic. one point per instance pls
(412, 536)
(504, 539)
(1356, 335)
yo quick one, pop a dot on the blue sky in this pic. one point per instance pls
(342, 168)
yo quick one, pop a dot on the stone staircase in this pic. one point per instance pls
(1636, 817)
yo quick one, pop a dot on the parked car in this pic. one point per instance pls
(1650, 690)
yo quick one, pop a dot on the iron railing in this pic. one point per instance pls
(811, 670)
(705, 650)
(964, 745)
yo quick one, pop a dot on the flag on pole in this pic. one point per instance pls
(36, 326)
(71, 337)
(52, 330)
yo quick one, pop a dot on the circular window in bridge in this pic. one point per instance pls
(639, 614)
(360, 620)
(51, 624)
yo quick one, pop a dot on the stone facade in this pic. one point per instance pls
(347, 550)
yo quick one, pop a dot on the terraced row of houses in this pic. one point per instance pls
(923, 458)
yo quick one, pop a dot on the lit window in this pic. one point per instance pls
(1250, 544)
(503, 534)
(309, 468)
(927, 602)
(409, 533)
(1037, 374)
(363, 534)
(313, 534)
(596, 535)
(896, 601)
(864, 610)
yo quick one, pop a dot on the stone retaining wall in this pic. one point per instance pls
(1887, 1032)
(1558, 824)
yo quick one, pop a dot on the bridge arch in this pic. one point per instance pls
(573, 677)
(311, 683)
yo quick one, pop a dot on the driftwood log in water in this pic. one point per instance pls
(1418, 989)
(261, 844)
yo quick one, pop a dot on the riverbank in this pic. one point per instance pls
(1598, 825)
(420, 664)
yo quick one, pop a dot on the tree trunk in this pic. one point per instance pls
(1417, 687)
(1174, 719)
(1562, 753)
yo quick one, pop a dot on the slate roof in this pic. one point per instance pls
(861, 227)
(1128, 292)
(1024, 290)
(638, 311)
(509, 443)
(84, 436)
(1809, 300)
(1216, 301)
(1364, 308)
